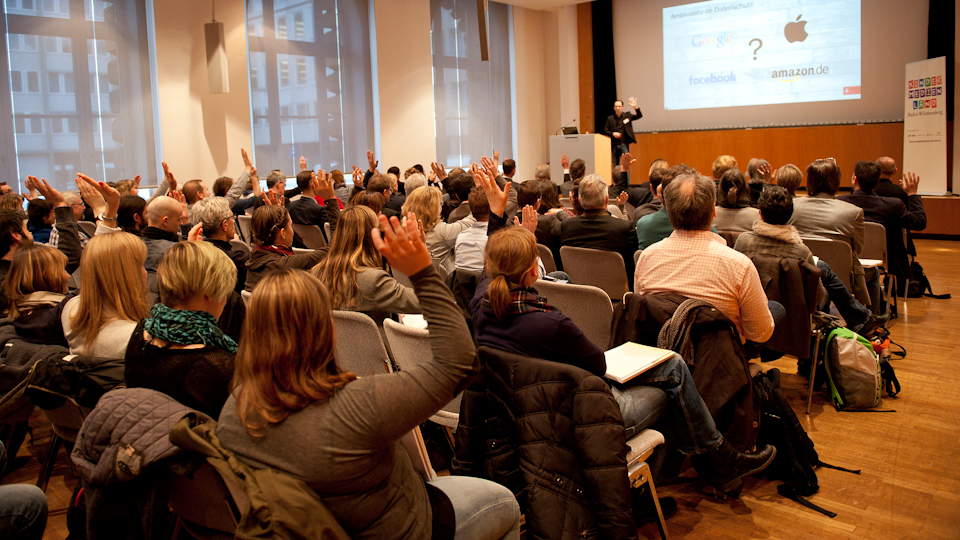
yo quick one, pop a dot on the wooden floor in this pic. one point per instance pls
(910, 486)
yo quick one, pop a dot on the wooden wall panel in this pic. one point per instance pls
(942, 215)
(798, 145)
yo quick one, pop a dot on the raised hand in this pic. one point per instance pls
(48, 193)
(496, 159)
(247, 164)
(196, 233)
(910, 182)
(767, 171)
(90, 194)
(401, 245)
(272, 199)
(564, 161)
(303, 163)
(31, 185)
(357, 177)
(185, 213)
(622, 198)
(496, 197)
(633, 102)
(323, 185)
(438, 170)
(372, 162)
(530, 218)
(626, 161)
(488, 163)
(136, 185)
(110, 196)
(168, 176)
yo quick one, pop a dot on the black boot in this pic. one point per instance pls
(724, 467)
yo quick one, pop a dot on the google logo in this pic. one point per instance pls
(705, 41)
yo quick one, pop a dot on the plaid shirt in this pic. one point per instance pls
(698, 264)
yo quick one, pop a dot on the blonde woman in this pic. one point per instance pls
(179, 349)
(425, 203)
(113, 299)
(353, 273)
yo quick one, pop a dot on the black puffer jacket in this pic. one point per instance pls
(553, 434)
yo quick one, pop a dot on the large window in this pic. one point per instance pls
(310, 82)
(473, 106)
(77, 75)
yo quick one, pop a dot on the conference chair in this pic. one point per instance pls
(88, 227)
(588, 307)
(615, 211)
(875, 247)
(311, 234)
(245, 231)
(835, 253)
(603, 269)
(240, 245)
(411, 347)
(730, 237)
(636, 257)
(546, 256)
(246, 297)
(359, 345)
(206, 507)
(629, 210)
(326, 230)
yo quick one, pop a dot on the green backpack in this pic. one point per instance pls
(853, 370)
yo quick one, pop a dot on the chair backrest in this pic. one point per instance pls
(587, 306)
(636, 257)
(326, 230)
(835, 253)
(549, 265)
(874, 242)
(88, 227)
(359, 345)
(566, 202)
(246, 297)
(244, 223)
(311, 234)
(615, 211)
(629, 210)
(730, 237)
(240, 245)
(603, 269)
(203, 503)
(411, 347)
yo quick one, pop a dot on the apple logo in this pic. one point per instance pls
(794, 31)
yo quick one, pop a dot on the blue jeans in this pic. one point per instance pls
(754, 349)
(484, 510)
(619, 149)
(23, 508)
(852, 311)
(694, 428)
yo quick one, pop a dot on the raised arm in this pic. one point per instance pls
(169, 183)
(68, 241)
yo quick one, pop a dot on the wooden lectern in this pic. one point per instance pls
(593, 149)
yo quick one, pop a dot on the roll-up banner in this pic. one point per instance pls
(925, 124)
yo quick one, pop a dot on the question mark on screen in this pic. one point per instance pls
(760, 44)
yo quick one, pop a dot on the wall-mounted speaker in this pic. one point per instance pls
(217, 78)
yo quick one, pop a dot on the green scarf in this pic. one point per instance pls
(187, 328)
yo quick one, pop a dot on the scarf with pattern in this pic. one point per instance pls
(187, 328)
(521, 301)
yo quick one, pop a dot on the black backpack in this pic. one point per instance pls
(796, 459)
(920, 285)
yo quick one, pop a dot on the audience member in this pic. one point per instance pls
(164, 216)
(656, 226)
(113, 296)
(530, 193)
(891, 212)
(396, 197)
(340, 187)
(821, 215)
(40, 220)
(295, 410)
(458, 207)
(130, 214)
(353, 271)
(733, 212)
(219, 227)
(472, 242)
(656, 177)
(789, 177)
(306, 210)
(36, 287)
(272, 231)
(441, 236)
(370, 199)
(572, 173)
(697, 264)
(542, 172)
(723, 164)
(23, 508)
(179, 349)
(11, 201)
(413, 182)
(887, 187)
(381, 185)
(596, 228)
(773, 237)
(760, 174)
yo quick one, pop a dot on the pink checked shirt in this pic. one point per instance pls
(698, 264)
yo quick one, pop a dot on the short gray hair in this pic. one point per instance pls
(413, 182)
(593, 192)
(690, 200)
(72, 198)
(211, 212)
(753, 170)
(542, 172)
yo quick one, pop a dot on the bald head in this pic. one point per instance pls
(888, 167)
(164, 213)
(690, 200)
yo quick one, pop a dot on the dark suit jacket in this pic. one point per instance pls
(597, 229)
(886, 188)
(306, 211)
(894, 216)
(617, 125)
(396, 202)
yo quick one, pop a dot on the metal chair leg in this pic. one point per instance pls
(814, 358)
(49, 462)
(647, 477)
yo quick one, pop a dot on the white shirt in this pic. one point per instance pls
(470, 247)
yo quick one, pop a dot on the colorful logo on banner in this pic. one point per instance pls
(923, 92)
